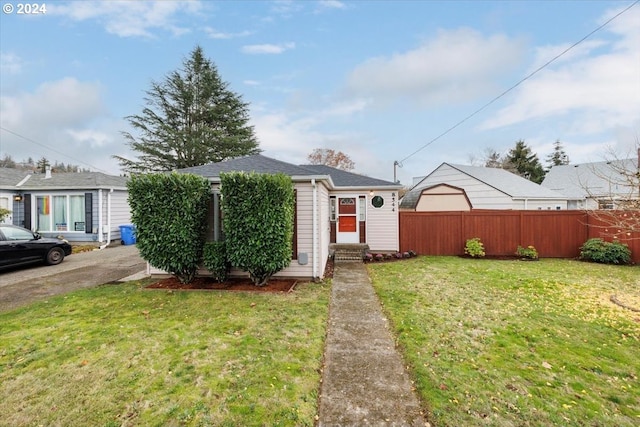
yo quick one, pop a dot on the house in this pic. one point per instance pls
(332, 207)
(598, 185)
(453, 187)
(82, 207)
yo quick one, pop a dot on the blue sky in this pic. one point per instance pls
(377, 80)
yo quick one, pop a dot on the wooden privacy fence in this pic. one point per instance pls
(555, 234)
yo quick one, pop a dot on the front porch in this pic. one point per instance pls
(348, 251)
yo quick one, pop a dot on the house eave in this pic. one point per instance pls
(369, 187)
(71, 188)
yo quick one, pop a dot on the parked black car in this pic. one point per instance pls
(20, 246)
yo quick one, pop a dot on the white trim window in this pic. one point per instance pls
(60, 212)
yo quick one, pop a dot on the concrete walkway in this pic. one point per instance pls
(364, 382)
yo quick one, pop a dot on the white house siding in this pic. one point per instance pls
(120, 213)
(382, 223)
(537, 204)
(481, 195)
(304, 233)
(324, 228)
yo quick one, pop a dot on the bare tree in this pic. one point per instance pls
(329, 157)
(618, 210)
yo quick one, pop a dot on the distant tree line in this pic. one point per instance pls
(522, 161)
(41, 165)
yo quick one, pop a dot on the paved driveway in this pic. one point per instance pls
(24, 285)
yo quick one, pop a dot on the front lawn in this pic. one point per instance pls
(119, 355)
(513, 343)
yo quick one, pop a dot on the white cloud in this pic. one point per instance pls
(64, 120)
(90, 137)
(10, 63)
(129, 18)
(595, 91)
(220, 35)
(268, 48)
(456, 66)
(62, 103)
(332, 4)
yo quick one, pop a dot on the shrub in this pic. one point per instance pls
(406, 255)
(215, 260)
(379, 257)
(474, 248)
(169, 212)
(258, 222)
(529, 252)
(598, 250)
(4, 213)
(399, 255)
(368, 257)
(412, 253)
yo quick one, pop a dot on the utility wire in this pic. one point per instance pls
(518, 84)
(54, 150)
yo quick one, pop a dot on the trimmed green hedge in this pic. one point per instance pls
(215, 260)
(169, 212)
(258, 222)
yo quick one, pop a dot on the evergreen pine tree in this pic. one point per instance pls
(558, 156)
(191, 118)
(525, 163)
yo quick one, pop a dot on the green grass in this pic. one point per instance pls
(121, 355)
(512, 343)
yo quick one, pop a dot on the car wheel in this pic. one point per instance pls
(55, 256)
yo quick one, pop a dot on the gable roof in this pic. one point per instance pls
(507, 182)
(502, 180)
(583, 180)
(13, 179)
(262, 164)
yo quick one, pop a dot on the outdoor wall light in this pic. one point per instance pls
(17, 198)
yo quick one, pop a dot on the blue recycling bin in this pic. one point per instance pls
(128, 234)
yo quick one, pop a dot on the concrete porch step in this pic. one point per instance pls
(348, 252)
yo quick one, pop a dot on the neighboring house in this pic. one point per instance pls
(453, 187)
(82, 207)
(8, 179)
(332, 206)
(598, 185)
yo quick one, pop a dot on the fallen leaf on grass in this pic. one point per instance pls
(546, 365)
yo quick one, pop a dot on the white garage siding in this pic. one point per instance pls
(480, 194)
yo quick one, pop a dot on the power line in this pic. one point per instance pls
(54, 150)
(536, 71)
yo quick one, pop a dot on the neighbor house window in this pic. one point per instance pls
(362, 206)
(60, 213)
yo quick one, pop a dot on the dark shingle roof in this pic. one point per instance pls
(349, 179)
(254, 163)
(262, 164)
(9, 177)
